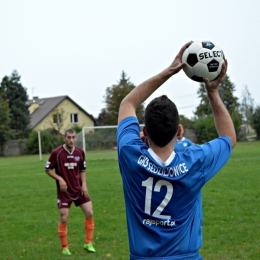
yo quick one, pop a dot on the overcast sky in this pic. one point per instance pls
(80, 47)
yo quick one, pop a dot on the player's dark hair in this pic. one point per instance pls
(72, 131)
(161, 120)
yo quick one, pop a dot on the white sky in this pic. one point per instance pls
(80, 47)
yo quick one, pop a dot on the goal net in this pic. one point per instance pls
(97, 138)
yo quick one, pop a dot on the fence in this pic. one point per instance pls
(14, 147)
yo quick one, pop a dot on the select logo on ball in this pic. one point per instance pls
(209, 55)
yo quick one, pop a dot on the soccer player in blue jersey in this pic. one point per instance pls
(162, 189)
(182, 142)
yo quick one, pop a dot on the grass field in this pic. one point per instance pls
(29, 217)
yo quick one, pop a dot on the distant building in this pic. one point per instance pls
(59, 113)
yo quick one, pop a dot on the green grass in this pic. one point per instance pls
(29, 216)
(231, 226)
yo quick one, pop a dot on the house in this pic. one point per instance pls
(59, 113)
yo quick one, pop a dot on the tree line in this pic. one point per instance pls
(15, 118)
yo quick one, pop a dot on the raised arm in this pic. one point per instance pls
(223, 121)
(139, 94)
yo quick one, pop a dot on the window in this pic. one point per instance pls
(74, 118)
(57, 119)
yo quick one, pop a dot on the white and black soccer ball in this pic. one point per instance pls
(204, 60)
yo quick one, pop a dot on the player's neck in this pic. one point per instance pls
(68, 148)
(164, 152)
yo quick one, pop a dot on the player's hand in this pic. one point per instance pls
(63, 185)
(84, 191)
(177, 64)
(213, 85)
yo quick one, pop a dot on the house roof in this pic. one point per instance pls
(46, 105)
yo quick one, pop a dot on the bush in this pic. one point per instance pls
(237, 121)
(77, 128)
(255, 121)
(49, 141)
(205, 129)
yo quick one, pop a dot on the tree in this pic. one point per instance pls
(226, 91)
(56, 121)
(113, 97)
(4, 121)
(246, 107)
(255, 122)
(101, 117)
(17, 99)
(186, 122)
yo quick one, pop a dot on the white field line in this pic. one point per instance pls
(21, 175)
(245, 159)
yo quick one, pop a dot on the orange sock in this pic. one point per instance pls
(62, 231)
(89, 228)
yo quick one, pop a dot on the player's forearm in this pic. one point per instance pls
(138, 95)
(145, 89)
(83, 177)
(223, 121)
(53, 175)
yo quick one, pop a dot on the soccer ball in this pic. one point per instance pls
(204, 60)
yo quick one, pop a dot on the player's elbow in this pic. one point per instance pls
(126, 109)
(47, 172)
(233, 141)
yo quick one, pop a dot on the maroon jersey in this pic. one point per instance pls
(68, 165)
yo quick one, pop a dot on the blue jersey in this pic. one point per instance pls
(163, 199)
(182, 144)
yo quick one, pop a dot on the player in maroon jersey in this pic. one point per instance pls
(70, 175)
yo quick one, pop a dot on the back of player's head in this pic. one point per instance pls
(71, 131)
(161, 120)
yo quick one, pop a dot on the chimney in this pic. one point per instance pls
(34, 99)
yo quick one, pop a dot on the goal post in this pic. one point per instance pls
(40, 145)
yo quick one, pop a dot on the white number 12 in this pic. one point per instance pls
(148, 196)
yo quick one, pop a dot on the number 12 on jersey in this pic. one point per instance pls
(148, 196)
